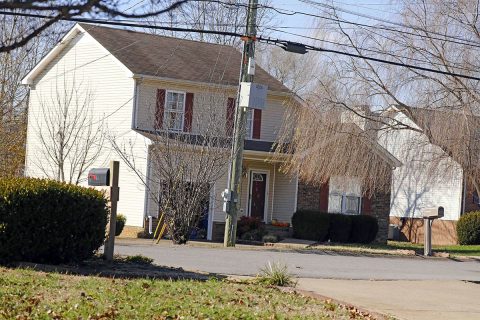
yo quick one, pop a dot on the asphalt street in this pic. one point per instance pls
(304, 264)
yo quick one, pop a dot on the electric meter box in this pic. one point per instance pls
(253, 95)
(99, 177)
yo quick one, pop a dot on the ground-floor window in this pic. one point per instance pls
(344, 195)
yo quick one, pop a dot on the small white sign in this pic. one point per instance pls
(253, 95)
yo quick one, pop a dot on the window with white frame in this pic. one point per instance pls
(174, 110)
(344, 196)
(249, 125)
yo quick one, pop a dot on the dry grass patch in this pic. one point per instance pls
(28, 294)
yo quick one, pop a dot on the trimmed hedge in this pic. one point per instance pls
(47, 221)
(364, 229)
(310, 225)
(340, 227)
(318, 226)
(468, 228)
(120, 224)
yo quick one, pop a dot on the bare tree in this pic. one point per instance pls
(70, 135)
(188, 152)
(221, 16)
(444, 107)
(51, 12)
(14, 65)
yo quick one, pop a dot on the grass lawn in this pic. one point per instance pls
(28, 294)
(456, 250)
(392, 247)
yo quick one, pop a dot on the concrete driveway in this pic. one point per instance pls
(413, 300)
(304, 264)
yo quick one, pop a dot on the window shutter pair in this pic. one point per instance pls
(160, 110)
(229, 124)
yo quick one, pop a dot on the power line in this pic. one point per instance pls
(368, 50)
(457, 40)
(278, 42)
(123, 24)
(284, 44)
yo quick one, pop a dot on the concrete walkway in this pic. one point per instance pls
(412, 300)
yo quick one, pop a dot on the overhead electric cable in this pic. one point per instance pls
(301, 47)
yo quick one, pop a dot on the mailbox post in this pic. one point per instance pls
(114, 194)
(108, 177)
(429, 215)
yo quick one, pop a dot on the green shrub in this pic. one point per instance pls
(120, 223)
(249, 224)
(276, 274)
(271, 238)
(340, 226)
(253, 235)
(138, 259)
(468, 228)
(310, 225)
(49, 222)
(364, 229)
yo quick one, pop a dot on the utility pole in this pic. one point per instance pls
(234, 180)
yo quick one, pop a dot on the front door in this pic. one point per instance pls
(258, 186)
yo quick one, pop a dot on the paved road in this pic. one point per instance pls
(241, 261)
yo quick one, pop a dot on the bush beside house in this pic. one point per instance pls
(120, 224)
(468, 228)
(310, 225)
(318, 226)
(47, 221)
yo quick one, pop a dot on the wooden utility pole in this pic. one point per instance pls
(114, 195)
(248, 55)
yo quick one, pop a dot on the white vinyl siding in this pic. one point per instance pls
(209, 105)
(416, 185)
(84, 60)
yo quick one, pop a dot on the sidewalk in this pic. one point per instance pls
(412, 300)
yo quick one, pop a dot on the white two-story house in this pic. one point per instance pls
(137, 85)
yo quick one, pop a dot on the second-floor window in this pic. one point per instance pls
(173, 118)
(249, 126)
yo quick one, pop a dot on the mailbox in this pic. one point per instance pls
(99, 177)
(433, 213)
(429, 214)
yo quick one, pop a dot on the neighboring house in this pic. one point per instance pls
(134, 75)
(427, 179)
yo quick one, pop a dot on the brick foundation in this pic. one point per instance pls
(308, 197)
(412, 230)
(381, 211)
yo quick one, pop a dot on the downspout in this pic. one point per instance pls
(464, 195)
(273, 190)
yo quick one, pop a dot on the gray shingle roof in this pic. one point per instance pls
(175, 58)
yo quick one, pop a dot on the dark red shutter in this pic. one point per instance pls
(230, 117)
(366, 204)
(257, 123)
(324, 192)
(187, 124)
(160, 109)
